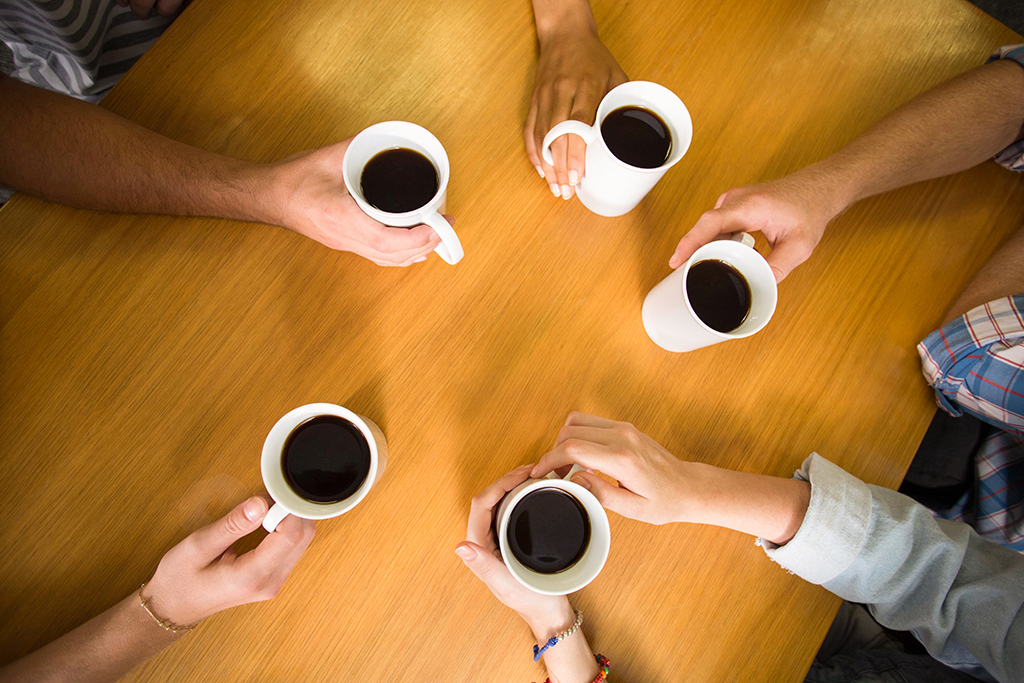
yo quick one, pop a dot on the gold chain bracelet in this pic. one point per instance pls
(165, 625)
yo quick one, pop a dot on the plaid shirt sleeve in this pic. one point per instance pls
(1013, 156)
(976, 364)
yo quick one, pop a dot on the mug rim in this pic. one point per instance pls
(603, 112)
(693, 260)
(599, 544)
(442, 165)
(272, 456)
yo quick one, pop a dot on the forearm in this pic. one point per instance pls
(64, 150)
(572, 660)
(952, 127)
(555, 17)
(104, 648)
(760, 505)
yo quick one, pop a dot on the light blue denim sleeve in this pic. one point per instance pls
(960, 595)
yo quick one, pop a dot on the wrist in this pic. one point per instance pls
(565, 20)
(551, 622)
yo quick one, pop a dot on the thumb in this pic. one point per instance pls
(611, 497)
(483, 564)
(214, 539)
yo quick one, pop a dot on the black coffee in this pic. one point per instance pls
(719, 294)
(548, 531)
(399, 180)
(637, 136)
(326, 459)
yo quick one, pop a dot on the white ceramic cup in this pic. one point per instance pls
(669, 318)
(587, 567)
(286, 500)
(609, 186)
(391, 135)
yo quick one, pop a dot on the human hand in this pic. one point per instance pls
(312, 200)
(791, 212)
(654, 486)
(203, 574)
(545, 614)
(143, 8)
(574, 71)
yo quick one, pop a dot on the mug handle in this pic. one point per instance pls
(274, 516)
(450, 249)
(744, 238)
(571, 126)
(575, 468)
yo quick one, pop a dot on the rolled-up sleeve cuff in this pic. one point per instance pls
(834, 528)
(1013, 156)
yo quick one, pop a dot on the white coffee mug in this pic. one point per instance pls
(587, 567)
(670, 320)
(402, 134)
(610, 186)
(286, 500)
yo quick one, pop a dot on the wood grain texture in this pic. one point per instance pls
(143, 359)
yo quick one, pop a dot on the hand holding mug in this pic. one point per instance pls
(315, 203)
(480, 553)
(654, 485)
(203, 574)
(791, 212)
(574, 71)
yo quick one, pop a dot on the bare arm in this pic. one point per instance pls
(198, 577)
(68, 151)
(952, 127)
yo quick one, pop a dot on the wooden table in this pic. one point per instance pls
(144, 359)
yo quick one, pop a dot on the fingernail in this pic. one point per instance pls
(540, 171)
(588, 470)
(566, 191)
(253, 509)
(581, 481)
(573, 177)
(421, 259)
(465, 552)
(555, 191)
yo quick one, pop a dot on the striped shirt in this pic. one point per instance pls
(76, 47)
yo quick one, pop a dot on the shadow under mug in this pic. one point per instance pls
(669, 318)
(587, 567)
(286, 500)
(610, 186)
(392, 135)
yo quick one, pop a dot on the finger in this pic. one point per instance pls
(403, 241)
(712, 224)
(481, 511)
(587, 420)
(168, 8)
(596, 435)
(285, 568)
(484, 565)
(528, 138)
(273, 551)
(141, 8)
(586, 454)
(614, 498)
(212, 540)
(541, 127)
(584, 108)
(787, 255)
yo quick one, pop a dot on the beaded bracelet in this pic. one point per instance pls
(555, 640)
(604, 667)
(165, 625)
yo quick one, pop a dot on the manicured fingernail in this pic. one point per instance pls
(566, 191)
(554, 190)
(581, 481)
(253, 509)
(465, 552)
(573, 176)
(540, 171)
(588, 470)
(421, 259)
